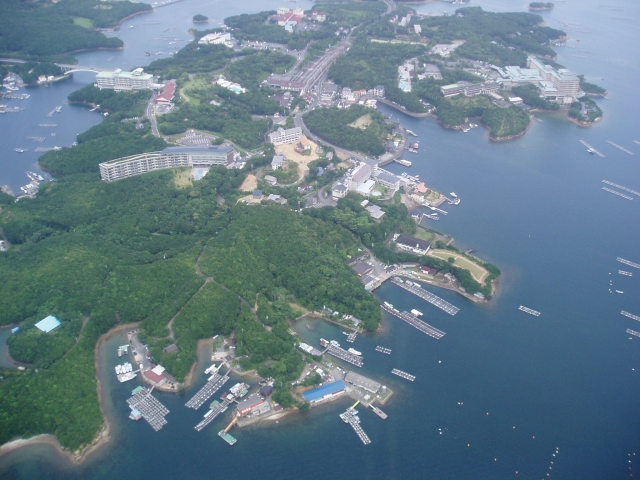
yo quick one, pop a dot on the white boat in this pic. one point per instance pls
(334, 343)
(417, 313)
(211, 369)
(388, 304)
(126, 377)
(619, 291)
(453, 194)
(354, 351)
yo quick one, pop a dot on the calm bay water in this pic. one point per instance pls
(510, 388)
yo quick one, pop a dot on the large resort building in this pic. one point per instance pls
(124, 81)
(170, 157)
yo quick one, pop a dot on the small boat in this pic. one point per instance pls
(619, 291)
(126, 377)
(388, 304)
(334, 343)
(20, 150)
(354, 351)
(453, 194)
(591, 150)
(417, 313)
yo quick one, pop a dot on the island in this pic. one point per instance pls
(199, 18)
(541, 6)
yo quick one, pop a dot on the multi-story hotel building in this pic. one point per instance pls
(124, 81)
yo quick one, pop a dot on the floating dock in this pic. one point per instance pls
(416, 289)
(617, 193)
(383, 350)
(620, 148)
(415, 322)
(627, 262)
(379, 412)
(352, 337)
(344, 355)
(213, 413)
(227, 438)
(206, 392)
(630, 315)
(404, 163)
(633, 332)
(55, 110)
(149, 408)
(404, 375)
(529, 311)
(48, 125)
(628, 274)
(620, 187)
(352, 419)
(592, 149)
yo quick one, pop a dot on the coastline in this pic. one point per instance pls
(583, 124)
(509, 137)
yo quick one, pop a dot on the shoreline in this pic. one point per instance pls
(509, 137)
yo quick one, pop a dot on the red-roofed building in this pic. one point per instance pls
(167, 93)
(153, 378)
(288, 17)
(428, 270)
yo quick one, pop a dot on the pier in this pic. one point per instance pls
(36, 139)
(206, 392)
(617, 193)
(55, 110)
(353, 420)
(352, 337)
(435, 209)
(620, 187)
(630, 315)
(416, 289)
(591, 149)
(529, 311)
(415, 322)
(628, 274)
(212, 414)
(633, 332)
(383, 350)
(404, 375)
(627, 262)
(404, 163)
(344, 355)
(150, 408)
(620, 148)
(379, 412)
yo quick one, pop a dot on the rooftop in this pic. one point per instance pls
(199, 149)
(362, 268)
(320, 392)
(412, 242)
(47, 324)
(362, 381)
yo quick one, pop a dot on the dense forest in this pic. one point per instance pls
(43, 29)
(498, 38)
(30, 71)
(333, 125)
(505, 122)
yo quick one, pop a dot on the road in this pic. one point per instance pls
(149, 114)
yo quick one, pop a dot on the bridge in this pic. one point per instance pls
(67, 68)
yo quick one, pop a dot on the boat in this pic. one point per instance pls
(354, 351)
(388, 304)
(591, 150)
(20, 150)
(345, 333)
(411, 133)
(465, 130)
(126, 377)
(211, 369)
(405, 163)
(453, 194)
(417, 313)
(619, 291)
(334, 343)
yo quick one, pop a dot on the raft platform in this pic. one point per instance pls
(404, 375)
(630, 315)
(416, 289)
(529, 311)
(620, 187)
(383, 350)
(633, 332)
(342, 354)
(627, 262)
(149, 407)
(206, 392)
(415, 322)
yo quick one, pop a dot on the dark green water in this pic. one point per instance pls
(570, 378)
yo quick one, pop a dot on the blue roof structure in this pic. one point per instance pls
(48, 324)
(318, 393)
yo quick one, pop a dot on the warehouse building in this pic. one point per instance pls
(325, 392)
(363, 382)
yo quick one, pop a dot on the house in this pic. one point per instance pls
(218, 38)
(339, 190)
(360, 175)
(170, 348)
(277, 162)
(48, 324)
(167, 93)
(274, 198)
(270, 180)
(368, 280)
(411, 244)
(362, 268)
(515, 100)
(301, 147)
(254, 404)
(318, 17)
(421, 188)
(388, 180)
(378, 91)
(155, 376)
(257, 194)
(375, 211)
(429, 270)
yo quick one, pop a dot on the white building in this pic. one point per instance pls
(218, 38)
(282, 136)
(124, 81)
(277, 162)
(565, 84)
(339, 190)
(360, 176)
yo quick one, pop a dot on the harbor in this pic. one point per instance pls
(144, 405)
(414, 322)
(529, 311)
(351, 417)
(352, 336)
(383, 350)
(417, 290)
(631, 316)
(405, 375)
(208, 390)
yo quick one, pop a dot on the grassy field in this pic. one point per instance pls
(477, 272)
(362, 122)
(182, 177)
(83, 22)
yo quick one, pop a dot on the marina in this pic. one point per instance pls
(633, 332)
(415, 322)
(620, 187)
(591, 149)
(206, 392)
(216, 409)
(631, 316)
(627, 262)
(628, 274)
(416, 289)
(336, 351)
(620, 148)
(145, 405)
(351, 417)
(617, 193)
(405, 375)
(383, 350)
(529, 311)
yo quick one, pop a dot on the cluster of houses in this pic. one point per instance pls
(363, 178)
(349, 97)
(291, 18)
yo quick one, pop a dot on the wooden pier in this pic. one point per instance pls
(150, 408)
(620, 187)
(627, 197)
(383, 350)
(529, 311)
(344, 355)
(415, 322)
(633, 332)
(628, 152)
(627, 262)
(416, 289)
(206, 392)
(630, 315)
(404, 375)
(592, 149)
(215, 411)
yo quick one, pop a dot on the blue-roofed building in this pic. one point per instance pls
(47, 324)
(324, 392)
